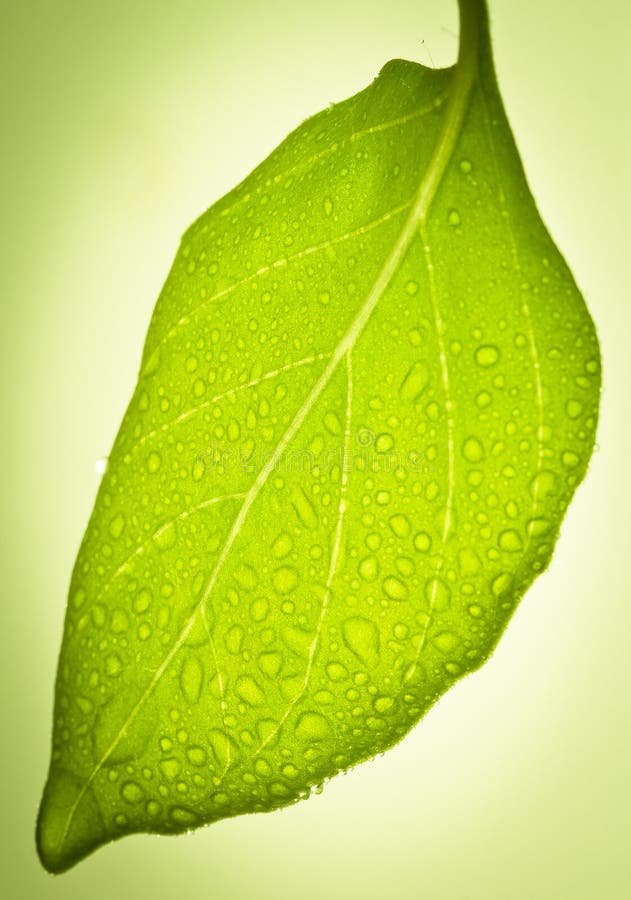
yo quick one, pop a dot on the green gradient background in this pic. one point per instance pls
(122, 122)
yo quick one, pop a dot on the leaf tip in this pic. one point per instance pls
(69, 824)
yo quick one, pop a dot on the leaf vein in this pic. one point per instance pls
(279, 263)
(255, 382)
(439, 327)
(335, 557)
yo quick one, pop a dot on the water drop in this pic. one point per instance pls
(196, 756)
(487, 355)
(312, 726)
(249, 690)
(361, 636)
(191, 679)
(141, 601)
(234, 639)
(285, 580)
(472, 450)
(422, 541)
(437, 594)
(570, 459)
(414, 382)
(304, 508)
(400, 526)
(259, 609)
(369, 568)
(573, 408)
(445, 641)
(395, 589)
(336, 671)
(131, 792)
(282, 545)
(510, 541)
(454, 218)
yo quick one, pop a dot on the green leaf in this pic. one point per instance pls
(368, 392)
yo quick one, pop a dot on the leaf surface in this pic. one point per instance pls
(368, 392)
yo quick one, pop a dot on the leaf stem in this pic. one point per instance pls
(473, 18)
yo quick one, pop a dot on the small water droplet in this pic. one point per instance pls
(361, 636)
(196, 756)
(445, 641)
(119, 621)
(472, 450)
(282, 545)
(468, 562)
(384, 443)
(259, 609)
(336, 671)
(573, 408)
(131, 792)
(285, 580)
(222, 747)
(141, 601)
(422, 541)
(234, 639)
(454, 218)
(312, 726)
(510, 541)
(543, 484)
(395, 589)
(501, 584)
(170, 768)
(369, 568)
(270, 663)
(415, 382)
(570, 459)
(249, 690)
(304, 508)
(191, 679)
(487, 355)
(437, 594)
(332, 423)
(400, 526)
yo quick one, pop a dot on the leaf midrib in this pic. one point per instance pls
(464, 76)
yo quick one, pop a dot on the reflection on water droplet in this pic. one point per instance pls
(100, 466)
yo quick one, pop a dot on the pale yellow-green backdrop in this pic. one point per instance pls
(121, 121)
